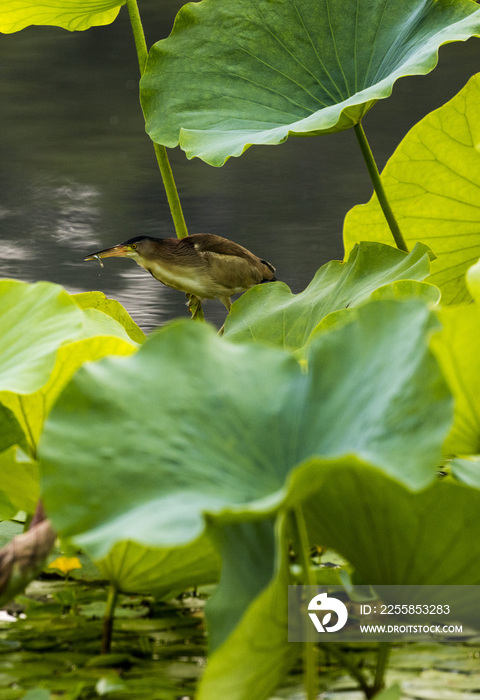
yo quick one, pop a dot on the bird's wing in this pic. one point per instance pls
(233, 266)
(210, 243)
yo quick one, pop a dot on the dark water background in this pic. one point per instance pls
(78, 173)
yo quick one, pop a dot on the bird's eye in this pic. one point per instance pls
(134, 245)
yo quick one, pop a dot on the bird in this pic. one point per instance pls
(202, 265)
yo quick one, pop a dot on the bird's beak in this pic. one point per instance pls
(118, 251)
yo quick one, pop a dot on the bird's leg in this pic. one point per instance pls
(227, 302)
(195, 307)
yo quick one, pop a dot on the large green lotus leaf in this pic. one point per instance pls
(19, 484)
(113, 308)
(96, 323)
(467, 470)
(32, 409)
(192, 423)
(391, 535)
(472, 279)
(433, 184)
(271, 314)
(247, 614)
(400, 290)
(162, 572)
(457, 348)
(239, 72)
(19, 479)
(394, 536)
(406, 289)
(35, 319)
(7, 509)
(44, 338)
(247, 550)
(11, 432)
(69, 14)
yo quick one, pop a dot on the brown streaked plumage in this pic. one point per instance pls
(203, 265)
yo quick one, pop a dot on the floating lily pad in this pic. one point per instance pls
(392, 693)
(37, 694)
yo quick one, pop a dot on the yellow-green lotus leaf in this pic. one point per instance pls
(432, 182)
(73, 15)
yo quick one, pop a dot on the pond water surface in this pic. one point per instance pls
(159, 653)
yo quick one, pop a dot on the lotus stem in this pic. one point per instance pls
(382, 662)
(160, 151)
(352, 669)
(171, 190)
(107, 628)
(378, 187)
(302, 550)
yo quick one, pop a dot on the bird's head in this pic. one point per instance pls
(137, 248)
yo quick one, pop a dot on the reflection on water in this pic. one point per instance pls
(76, 213)
(77, 172)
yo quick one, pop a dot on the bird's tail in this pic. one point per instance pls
(270, 267)
(272, 279)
